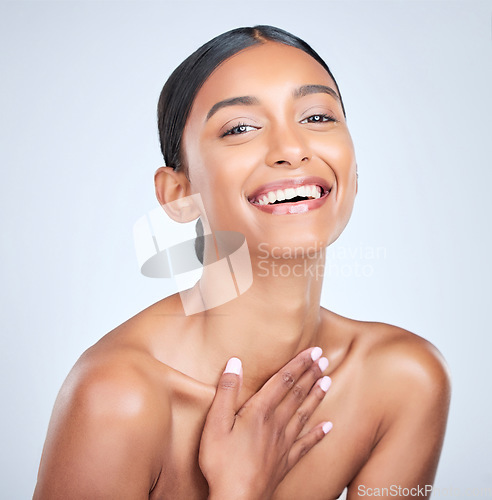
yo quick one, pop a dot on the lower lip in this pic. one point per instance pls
(299, 207)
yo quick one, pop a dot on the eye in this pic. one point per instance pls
(240, 128)
(320, 118)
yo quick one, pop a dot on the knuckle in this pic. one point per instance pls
(263, 411)
(278, 433)
(266, 415)
(298, 392)
(302, 417)
(228, 383)
(288, 378)
(306, 361)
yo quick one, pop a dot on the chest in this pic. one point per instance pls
(320, 475)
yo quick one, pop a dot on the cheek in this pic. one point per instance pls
(339, 154)
(200, 169)
(222, 169)
(346, 191)
(218, 175)
(337, 150)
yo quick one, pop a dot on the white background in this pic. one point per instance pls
(79, 88)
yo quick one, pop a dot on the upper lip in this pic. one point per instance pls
(289, 183)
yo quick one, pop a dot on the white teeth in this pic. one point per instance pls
(290, 193)
(310, 191)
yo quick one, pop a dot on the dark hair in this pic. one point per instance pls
(179, 92)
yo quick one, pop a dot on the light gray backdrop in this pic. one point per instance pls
(79, 147)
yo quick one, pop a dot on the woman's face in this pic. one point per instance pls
(267, 125)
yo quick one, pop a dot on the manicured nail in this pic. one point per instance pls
(325, 383)
(233, 366)
(316, 353)
(323, 364)
(327, 426)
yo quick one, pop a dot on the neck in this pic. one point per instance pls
(267, 325)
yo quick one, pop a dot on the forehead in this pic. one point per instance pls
(263, 69)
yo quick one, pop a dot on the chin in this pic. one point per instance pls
(300, 241)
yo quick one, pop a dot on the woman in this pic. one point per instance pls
(233, 402)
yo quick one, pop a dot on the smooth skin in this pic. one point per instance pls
(147, 412)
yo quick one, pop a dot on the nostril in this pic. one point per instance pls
(286, 162)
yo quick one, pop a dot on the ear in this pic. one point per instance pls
(173, 191)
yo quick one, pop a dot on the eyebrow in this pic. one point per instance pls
(315, 89)
(247, 100)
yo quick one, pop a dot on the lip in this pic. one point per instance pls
(298, 207)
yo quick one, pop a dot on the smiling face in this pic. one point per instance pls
(267, 147)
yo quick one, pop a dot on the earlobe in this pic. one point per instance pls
(173, 192)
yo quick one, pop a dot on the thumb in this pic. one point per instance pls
(224, 406)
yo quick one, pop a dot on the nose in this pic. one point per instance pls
(286, 147)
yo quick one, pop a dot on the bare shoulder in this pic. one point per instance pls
(116, 378)
(391, 361)
(405, 355)
(127, 372)
(109, 427)
(408, 370)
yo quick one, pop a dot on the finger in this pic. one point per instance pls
(303, 413)
(304, 444)
(300, 390)
(222, 413)
(279, 385)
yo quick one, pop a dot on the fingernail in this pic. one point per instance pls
(323, 364)
(327, 426)
(233, 366)
(316, 353)
(325, 383)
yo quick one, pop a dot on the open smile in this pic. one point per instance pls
(291, 196)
